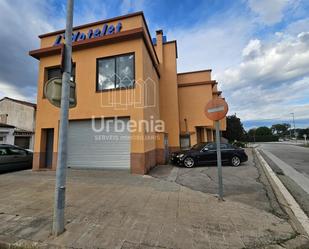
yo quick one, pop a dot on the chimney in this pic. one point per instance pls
(159, 44)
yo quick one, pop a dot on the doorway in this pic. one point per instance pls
(49, 148)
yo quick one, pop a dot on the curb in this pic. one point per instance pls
(299, 219)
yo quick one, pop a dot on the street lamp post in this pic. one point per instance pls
(58, 221)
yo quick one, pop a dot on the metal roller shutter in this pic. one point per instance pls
(90, 149)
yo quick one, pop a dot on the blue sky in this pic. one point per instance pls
(258, 49)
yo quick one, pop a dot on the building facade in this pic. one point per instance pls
(124, 78)
(17, 122)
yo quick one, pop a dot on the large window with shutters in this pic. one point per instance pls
(115, 72)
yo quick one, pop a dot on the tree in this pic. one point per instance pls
(252, 132)
(280, 129)
(263, 131)
(234, 128)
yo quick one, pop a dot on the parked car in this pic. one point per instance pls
(14, 158)
(206, 154)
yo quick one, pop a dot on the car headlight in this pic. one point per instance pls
(180, 155)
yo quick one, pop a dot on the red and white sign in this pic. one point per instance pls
(216, 109)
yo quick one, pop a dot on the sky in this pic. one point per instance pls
(258, 50)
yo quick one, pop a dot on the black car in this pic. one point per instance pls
(206, 154)
(14, 158)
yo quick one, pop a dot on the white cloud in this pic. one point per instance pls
(269, 11)
(7, 90)
(216, 44)
(288, 59)
(252, 50)
(20, 23)
(272, 83)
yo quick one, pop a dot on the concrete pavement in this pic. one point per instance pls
(245, 184)
(113, 209)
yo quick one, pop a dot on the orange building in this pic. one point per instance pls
(133, 108)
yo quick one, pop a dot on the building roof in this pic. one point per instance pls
(96, 23)
(198, 71)
(20, 102)
(209, 82)
(2, 125)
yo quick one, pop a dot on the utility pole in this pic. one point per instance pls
(58, 221)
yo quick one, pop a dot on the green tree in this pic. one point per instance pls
(234, 129)
(280, 129)
(252, 132)
(263, 131)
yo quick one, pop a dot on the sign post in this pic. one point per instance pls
(59, 205)
(216, 110)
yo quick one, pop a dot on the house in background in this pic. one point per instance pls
(17, 122)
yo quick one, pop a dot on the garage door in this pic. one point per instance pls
(108, 148)
(23, 142)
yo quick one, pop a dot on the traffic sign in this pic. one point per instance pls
(53, 89)
(216, 109)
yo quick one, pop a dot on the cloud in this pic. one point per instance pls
(252, 50)
(8, 90)
(273, 82)
(215, 44)
(20, 23)
(268, 11)
(277, 63)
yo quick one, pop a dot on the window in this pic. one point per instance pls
(184, 141)
(15, 151)
(3, 152)
(223, 146)
(115, 72)
(54, 72)
(212, 146)
(198, 146)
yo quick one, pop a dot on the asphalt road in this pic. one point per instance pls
(295, 156)
(291, 163)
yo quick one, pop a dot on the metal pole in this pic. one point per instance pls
(219, 164)
(58, 221)
(294, 127)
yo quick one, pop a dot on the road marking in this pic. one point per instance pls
(216, 109)
(289, 171)
(293, 205)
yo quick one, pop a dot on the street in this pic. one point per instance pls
(291, 163)
(295, 156)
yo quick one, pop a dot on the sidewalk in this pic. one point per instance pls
(112, 209)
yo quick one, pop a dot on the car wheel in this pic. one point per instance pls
(235, 161)
(189, 162)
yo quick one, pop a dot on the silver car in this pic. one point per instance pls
(14, 158)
